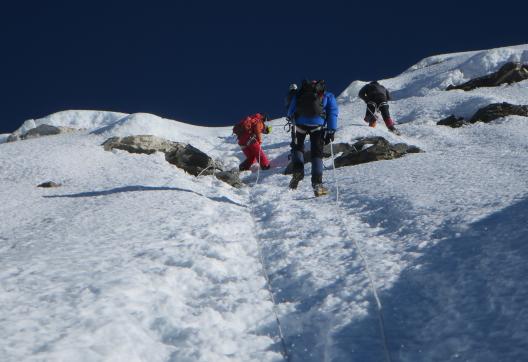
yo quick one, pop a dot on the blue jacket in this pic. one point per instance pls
(330, 107)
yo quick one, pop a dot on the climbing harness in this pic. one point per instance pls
(376, 107)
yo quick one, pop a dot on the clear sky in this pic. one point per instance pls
(211, 62)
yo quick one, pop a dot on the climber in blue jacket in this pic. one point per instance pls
(314, 112)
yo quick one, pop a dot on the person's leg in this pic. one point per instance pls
(316, 148)
(264, 162)
(298, 157)
(251, 156)
(384, 109)
(370, 115)
(317, 144)
(298, 151)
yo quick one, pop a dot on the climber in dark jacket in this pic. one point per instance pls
(376, 97)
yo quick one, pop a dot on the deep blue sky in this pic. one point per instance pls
(211, 63)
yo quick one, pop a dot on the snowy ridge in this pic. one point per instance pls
(134, 260)
(436, 73)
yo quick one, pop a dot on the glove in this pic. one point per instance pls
(267, 130)
(329, 136)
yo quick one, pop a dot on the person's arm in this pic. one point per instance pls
(332, 111)
(291, 108)
(388, 94)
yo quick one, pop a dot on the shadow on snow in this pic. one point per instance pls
(139, 188)
(464, 299)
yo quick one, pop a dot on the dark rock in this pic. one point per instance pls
(192, 160)
(49, 184)
(498, 110)
(452, 121)
(13, 137)
(39, 131)
(230, 177)
(508, 73)
(47, 130)
(357, 153)
(414, 149)
(378, 149)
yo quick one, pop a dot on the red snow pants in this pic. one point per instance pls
(253, 153)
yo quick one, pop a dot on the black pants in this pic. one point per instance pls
(316, 150)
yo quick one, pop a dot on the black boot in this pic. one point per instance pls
(317, 184)
(394, 130)
(296, 178)
(319, 190)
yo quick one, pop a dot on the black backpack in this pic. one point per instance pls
(310, 99)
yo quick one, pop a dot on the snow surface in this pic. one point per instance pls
(134, 260)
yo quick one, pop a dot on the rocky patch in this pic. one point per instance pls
(453, 121)
(508, 73)
(183, 156)
(498, 110)
(373, 149)
(362, 151)
(49, 184)
(39, 131)
(486, 114)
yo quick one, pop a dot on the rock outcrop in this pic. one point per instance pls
(498, 110)
(183, 156)
(453, 121)
(231, 177)
(508, 73)
(486, 114)
(192, 160)
(139, 144)
(49, 184)
(373, 149)
(364, 150)
(39, 131)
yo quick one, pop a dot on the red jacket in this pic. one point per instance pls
(254, 127)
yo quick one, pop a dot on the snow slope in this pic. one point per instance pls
(134, 260)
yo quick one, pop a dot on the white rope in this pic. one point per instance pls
(285, 352)
(205, 169)
(266, 275)
(334, 171)
(376, 110)
(365, 262)
(258, 169)
(214, 161)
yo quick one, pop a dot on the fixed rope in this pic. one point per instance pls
(285, 352)
(365, 262)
